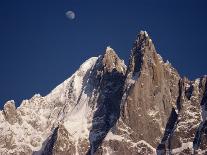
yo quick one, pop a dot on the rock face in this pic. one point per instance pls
(106, 108)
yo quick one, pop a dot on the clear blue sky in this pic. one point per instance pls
(40, 47)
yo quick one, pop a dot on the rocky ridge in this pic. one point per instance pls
(108, 108)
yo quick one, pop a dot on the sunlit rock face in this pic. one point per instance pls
(108, 108)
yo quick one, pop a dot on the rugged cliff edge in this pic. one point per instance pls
(108, 108)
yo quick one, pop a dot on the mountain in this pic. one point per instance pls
(108, 108)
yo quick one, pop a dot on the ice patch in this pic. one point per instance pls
(111, 136)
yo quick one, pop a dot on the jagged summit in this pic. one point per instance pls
(10, 112)
(112, 61)
(103, 109)
(143, 34)
(110, 54)
(142, 53)
(109, 49)
(142, 38)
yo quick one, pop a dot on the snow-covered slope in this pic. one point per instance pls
(110, 109)
(36, 118)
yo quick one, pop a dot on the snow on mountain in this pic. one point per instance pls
(106, 107)
(39, 115)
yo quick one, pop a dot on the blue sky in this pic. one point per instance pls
(40, 47)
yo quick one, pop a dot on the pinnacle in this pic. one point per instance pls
(143, 42)
(143, 38)
(109, 51)
(143, 50)
(143, 33)
(111, 60)
(110, 54)
(8, 103)
(108, 48)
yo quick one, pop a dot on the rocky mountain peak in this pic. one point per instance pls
(142, 41)
(143, 34)
(111, 61)
(101, 110)
(143, 51)
(9, 107)
(10, 112)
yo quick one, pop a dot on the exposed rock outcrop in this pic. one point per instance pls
(10, 113)
(106, 108)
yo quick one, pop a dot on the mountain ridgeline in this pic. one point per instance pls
(108, 108)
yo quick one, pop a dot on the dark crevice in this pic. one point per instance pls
(204, 99)
(136, 57)
(181, 88)
(198, 136)
(48, 144)
(108, 108)
(165, 145)
(163, 102)
(189, 92)
(169, 129)
(202, 128)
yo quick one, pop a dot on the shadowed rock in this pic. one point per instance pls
(107, 108)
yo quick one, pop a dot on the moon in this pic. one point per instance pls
(70, 15)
